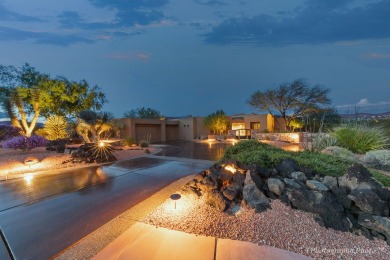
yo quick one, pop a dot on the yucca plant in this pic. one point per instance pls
(360, 138)
(56, 127)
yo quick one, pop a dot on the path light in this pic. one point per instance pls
(28, 178)
(101, 144)
(175, 197)
(30, 161)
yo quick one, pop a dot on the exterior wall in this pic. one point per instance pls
(185, 128)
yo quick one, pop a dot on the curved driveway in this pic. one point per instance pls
(45, 216)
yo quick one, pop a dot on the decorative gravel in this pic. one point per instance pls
(281, 227)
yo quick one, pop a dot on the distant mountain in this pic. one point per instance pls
(2, 114)
(367, 115)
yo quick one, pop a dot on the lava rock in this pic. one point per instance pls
(377, 223)
(316, 185)
(292, 184)
(286, 167)
(253, 196)
(369, 202)
(230, 193)
(216, 200)
(276, 186)
(299, 176)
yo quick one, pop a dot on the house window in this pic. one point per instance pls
(255, 125)
(237, 126)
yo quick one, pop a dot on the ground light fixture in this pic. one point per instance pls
(101, 144)
(175, 197)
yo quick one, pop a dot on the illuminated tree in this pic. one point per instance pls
(217, 122)
(291, 100)
(26, 94)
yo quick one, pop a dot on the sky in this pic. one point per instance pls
(193, 57)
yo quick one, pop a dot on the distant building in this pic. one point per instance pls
(191, 128)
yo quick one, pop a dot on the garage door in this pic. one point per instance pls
(141, 131)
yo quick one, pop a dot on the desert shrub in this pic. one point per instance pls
(25, 143)
(145, 141)
(40, 132)
(340, 152)
(360, 138)
(128, 141)
(7, 132)
(322, 141)
(379, 159)
(56, 127)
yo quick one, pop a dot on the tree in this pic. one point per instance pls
(217, 122)
(291, 100)
(26, 94)
(143, 112)
(322, 120)
(93, 124)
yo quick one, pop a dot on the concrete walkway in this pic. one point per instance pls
(146, 242)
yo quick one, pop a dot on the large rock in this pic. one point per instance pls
(369, 202)
(379, 159)
(292, 184)
(215, 199)
(358, 177)
(324, 204)
(253, 196)
(230, 193)
(377, 223)
(286, 167)
(276, 186)
(299, 176)
(316, 185)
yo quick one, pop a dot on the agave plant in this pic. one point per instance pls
(56, 127)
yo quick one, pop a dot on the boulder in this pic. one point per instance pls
(324, 204)
(330, 182)
(369, 202)
(253, 196)
(358, 177)
(292, 184)
(276, 186)
(379, 159)
(316, 185)
(286, 167)
(207, 185)
(216, 200)
(376, 223)
(230, 193)
(299, 176)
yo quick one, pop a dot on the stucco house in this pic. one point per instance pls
(191, 128)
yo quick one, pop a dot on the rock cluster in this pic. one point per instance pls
(354, 202)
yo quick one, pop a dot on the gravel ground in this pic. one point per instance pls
(12, 161)
(281, 227)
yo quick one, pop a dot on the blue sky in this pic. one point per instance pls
(197, 56)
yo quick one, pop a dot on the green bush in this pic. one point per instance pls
(253, 152)
(129, 141)
(360, 138)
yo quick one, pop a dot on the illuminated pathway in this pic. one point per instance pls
(45, 215)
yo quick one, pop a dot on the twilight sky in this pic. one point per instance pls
(193, 57)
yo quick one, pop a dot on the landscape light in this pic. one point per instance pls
(175, 197)
(230, 168)
(28, 178)
(101, 144)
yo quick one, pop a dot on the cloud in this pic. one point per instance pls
(209, 2)
(316, 22)
(141, 56)
(377, 56)
(365, 105)
(6, 15)
(9, 34)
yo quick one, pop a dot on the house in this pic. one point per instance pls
(190, 128)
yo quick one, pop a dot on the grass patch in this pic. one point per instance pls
(253, 152)
(384, 179)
